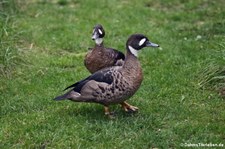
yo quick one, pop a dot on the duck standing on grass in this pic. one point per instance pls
(113, 85)
(100, 57)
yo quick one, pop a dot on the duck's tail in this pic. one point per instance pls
(61, 97)
(69, 95)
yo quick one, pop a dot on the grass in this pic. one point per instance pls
(43, 44)
(212, 77)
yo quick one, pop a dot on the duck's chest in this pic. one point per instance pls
(133, 78)
(97, 59)
(126, 84)
(94, 56)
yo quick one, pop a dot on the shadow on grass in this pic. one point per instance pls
(92, 111)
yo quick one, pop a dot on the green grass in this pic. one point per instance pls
(43, 44)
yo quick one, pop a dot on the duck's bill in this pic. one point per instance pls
(150, 44)
(94, 36)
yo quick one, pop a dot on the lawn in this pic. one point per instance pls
(43, 44)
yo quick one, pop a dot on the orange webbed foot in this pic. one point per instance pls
(111, 115)
(129, 108)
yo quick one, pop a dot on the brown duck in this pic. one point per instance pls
(100, 57)
(113, 85)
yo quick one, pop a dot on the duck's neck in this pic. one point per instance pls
(132, 70)
(99, 41)
(131, 63)
(99, 45)
(99, 48)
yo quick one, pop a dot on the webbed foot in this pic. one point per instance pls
(111, 115)
(129, 108)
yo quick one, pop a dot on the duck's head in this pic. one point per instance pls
(138, 41)
(98, 34)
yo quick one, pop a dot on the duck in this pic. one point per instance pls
(115, 84)
(101, 57)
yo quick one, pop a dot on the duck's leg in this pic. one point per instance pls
(106, 109)
(108, 113)
(128, 108)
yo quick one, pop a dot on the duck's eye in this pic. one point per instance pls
(142, 41)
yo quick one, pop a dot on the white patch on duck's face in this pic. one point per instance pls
(133, 51)
(142, 41)
(98, 41)
(100, 31)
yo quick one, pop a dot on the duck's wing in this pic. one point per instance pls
(104, 76)
(119, 55)
(116, 55)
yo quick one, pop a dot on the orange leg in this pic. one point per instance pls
(128, 108)
(108, 113)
